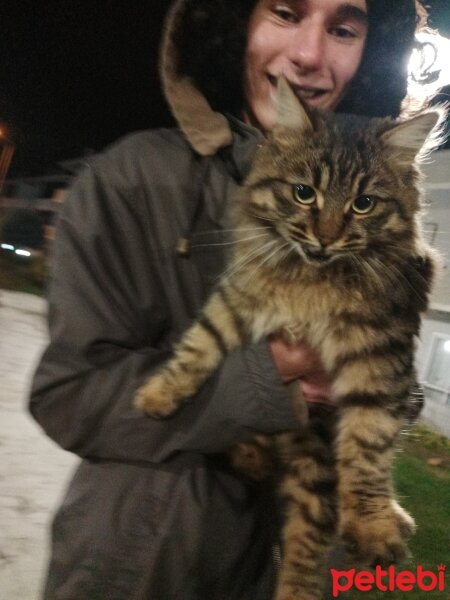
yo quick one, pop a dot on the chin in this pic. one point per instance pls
(261, 115)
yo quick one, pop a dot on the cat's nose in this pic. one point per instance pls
(326, 240)
(327, 229)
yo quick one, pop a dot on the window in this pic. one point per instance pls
(437, 370)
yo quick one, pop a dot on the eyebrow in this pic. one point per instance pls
(350, 11)
(345, 11)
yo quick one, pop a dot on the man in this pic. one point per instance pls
(154, 511)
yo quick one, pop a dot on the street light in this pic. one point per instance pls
(429, 68)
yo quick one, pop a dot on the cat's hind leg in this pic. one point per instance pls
(308, 489)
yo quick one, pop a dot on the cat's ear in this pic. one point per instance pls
(289, 110)
(416, 138)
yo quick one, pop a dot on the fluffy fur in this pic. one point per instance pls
(328, 251)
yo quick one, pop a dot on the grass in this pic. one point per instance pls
(423, 490)
(23, 274)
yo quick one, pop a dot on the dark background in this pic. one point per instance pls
(77, 74)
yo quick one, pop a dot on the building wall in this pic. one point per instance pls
(436, 411)
(437, 322)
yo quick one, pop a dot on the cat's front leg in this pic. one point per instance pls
(371, 522)
(219, 329)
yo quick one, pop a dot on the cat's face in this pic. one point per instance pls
(339, 186)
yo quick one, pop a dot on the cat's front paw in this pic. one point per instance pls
(378, 538)
(156, 398)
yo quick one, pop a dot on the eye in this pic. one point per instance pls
(285, 14)
(304, 194)
(343, 32)
(363, 205)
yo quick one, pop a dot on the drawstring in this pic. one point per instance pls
(183, 246)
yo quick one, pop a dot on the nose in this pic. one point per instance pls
(328, 228)
(306, 50)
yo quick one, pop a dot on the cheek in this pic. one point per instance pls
(356, 232)
(346, 66)
(256, 56)
(262, 203)
(265, 44)
(302, 219)
(394, 223)
(345, 73)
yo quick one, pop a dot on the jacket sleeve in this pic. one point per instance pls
(107, 317)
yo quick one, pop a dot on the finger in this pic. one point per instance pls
(317, 392)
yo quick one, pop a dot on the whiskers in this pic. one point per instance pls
(279, 254)
(210, 231)
(260, 231)
(369, 275)
(233, 242)
(385, 278)
(252, 255)
(358, 270)
(395, 273)
(249, 264)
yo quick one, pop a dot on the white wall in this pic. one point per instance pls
(438, 320)
(438, 213)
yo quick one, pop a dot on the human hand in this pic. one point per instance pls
(300, 362)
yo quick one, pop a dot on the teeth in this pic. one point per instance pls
(302, 93)
(306, 94)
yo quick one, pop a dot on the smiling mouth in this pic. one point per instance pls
(304, 93)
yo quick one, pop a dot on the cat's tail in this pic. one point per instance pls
(217, 331)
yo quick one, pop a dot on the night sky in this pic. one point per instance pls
(78, 74)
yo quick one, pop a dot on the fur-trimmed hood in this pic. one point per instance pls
(206, 129)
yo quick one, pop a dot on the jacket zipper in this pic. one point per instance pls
(276, 556)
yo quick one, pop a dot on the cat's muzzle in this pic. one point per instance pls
(317, 255)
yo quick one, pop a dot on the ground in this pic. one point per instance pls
(33, 471)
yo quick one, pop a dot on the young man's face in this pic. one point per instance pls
(316, 44)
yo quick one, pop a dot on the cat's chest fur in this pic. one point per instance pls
(308, 309)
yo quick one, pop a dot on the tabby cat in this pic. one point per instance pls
(328, 251)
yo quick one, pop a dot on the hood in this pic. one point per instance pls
(203, 50)
(205, 129)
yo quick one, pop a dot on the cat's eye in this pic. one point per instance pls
(304, 194)
(363, 205)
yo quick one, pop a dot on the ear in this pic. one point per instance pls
(417, 137)
(290, 112)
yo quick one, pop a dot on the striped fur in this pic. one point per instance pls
(353, 287)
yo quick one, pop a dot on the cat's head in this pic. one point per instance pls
(333, 186)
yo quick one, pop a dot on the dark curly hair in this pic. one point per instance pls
(212, 44)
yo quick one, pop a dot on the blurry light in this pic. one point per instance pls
(447, 346)
(433, 58)
(7, 247)
(23, 252)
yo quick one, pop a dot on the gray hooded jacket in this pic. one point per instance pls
(154, 512)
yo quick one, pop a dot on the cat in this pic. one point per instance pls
(336, 259)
